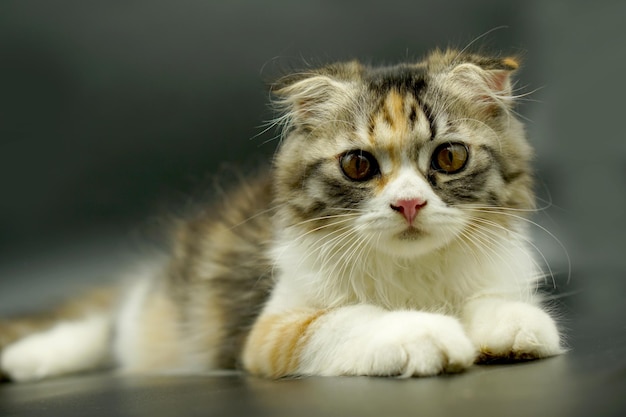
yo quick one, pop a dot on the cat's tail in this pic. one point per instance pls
(72, 338)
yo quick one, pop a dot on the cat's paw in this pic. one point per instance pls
(406, 344)
(65, 348)
(26, 360)
(431, 346)
(513, 331)
(417, 344)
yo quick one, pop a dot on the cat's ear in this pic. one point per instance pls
(485, 83)
(315, 97)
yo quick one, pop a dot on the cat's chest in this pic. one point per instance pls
(395, 285)
(376, 280)
(442, 280)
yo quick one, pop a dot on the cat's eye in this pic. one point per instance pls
(358, 165)
(450, 158)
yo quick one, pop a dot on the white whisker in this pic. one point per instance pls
(486, 230)
(525, 239)
(535, 224)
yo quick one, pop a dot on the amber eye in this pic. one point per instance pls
(450, 158)
(358, 165)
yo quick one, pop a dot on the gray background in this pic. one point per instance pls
(116, 114)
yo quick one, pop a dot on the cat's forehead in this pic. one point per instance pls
(396, 119)
(392, 114)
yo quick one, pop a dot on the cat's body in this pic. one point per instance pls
(389, 238)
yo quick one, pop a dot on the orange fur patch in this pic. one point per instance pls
(276, 341)
(394, 104)
(511, 62)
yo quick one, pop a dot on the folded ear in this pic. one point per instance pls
(485, 82)
(316, 97)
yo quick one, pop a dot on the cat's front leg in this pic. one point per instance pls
(510, 330)
(357, 340)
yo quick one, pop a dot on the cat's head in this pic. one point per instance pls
(405, 158)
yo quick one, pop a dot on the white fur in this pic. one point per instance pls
(502, 327)
(367, 340)
(441, 281)
(127, 320)
(65, 348)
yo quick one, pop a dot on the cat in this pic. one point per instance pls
(389, 238)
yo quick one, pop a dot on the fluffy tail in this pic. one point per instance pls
(75, 337)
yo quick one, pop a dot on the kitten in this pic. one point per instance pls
(388, 239)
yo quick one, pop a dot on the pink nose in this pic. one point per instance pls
(409, 208)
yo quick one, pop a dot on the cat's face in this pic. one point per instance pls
(402, 159)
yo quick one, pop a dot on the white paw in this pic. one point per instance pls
(65, 348)
(416, 344)
(404, 344)
(26, 360)
(515, 331)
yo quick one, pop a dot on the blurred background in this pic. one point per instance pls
(114, 114)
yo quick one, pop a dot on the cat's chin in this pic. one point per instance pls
(411, 234)
(411, 243)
